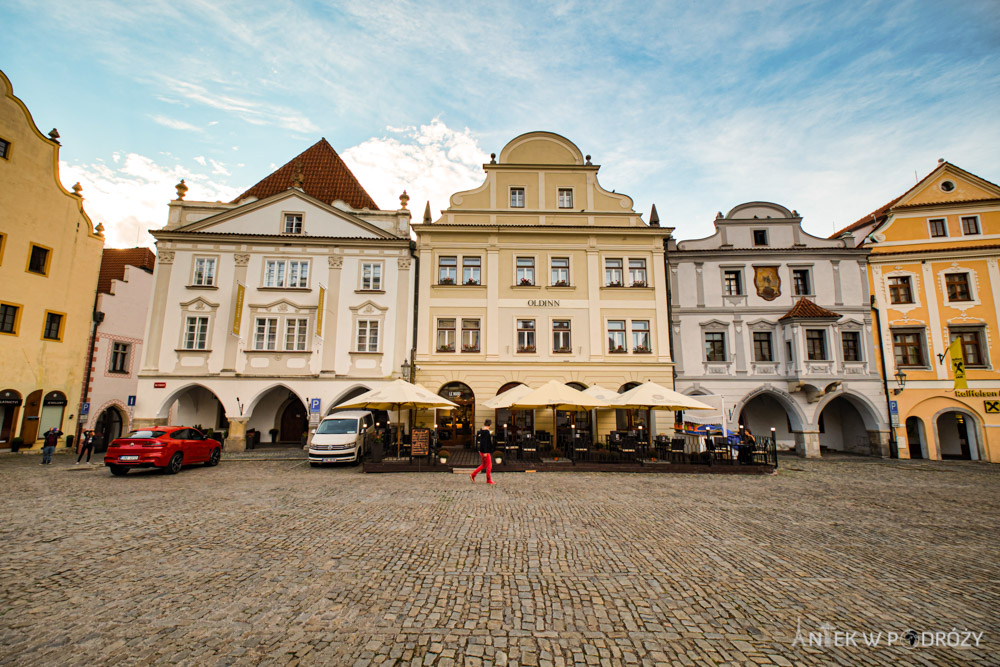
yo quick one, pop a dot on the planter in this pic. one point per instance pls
(443, 460)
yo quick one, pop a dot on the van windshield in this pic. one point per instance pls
(338, 426)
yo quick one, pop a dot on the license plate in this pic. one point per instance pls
(128, 458)
(329, 460)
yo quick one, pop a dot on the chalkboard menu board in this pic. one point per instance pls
(420, 444)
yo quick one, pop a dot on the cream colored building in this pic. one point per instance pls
(50, 255)
(538, 274)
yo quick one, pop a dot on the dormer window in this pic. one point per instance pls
(760, 237)
(293, 223)
(517, 197)
(565, 197)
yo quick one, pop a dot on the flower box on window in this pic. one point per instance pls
(526, 348)
(447, 281)
(617, 350)
(526, 282)
(446, 348)
(616, 283)
(639, 283)
(562, 350)
(470, 348)
(471, 281)
(560, 283)
(641, 350)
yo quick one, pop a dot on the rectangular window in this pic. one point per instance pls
(815, 345)
(715, 346)
(560, 271)
(4, 149)
(204, 271)
(470, 335)
(801, 285)
(53, 326)
(472, 270)
(296, 330)
(526, 335)
(286, 273)
(637, 272)
(446, 335)
(957, 285)
(733, 283)
(119, 357)
(616, 336)
(613, 272)
(970, 224)
(266, 334)
(447, 270)
(561, 341)
(196, 333)
(938, 227)
(972, 348)
(900, 290)
(640, 336)
(38, 259)
(517, 197)
(762, 347)
(371, 275)
(367, 335)
(851, 343)
(3, 242)
(9, 318)
(789, 354)
(908, 348)
(565, 198)
(760, 237)
(525, 271)
(293, 223)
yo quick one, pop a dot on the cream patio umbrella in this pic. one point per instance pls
(651, 396)
(505, 400)
(398, 394)
(556, 395)
(597, 391)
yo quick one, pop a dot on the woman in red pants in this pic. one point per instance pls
(484, 440)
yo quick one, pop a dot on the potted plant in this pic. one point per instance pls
(446, 348)
(16, 444)
(526, 282)
(443, 456)
(560, 283)
(615, 283)
(526, 348)
(471, 281)
(274, 434)
(447, 281)
(470, 348)
(617, 350)
(641, 349)
(563, 349)
(498, 457)
(639, 283)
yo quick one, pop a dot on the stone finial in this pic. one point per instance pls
(588, 160)
(427, 213)
(300, 178)
(181, 190)
(654, 218)
(77, 189)
(54, 135)
(493, 158)
(99, 228)
(403, 200)
(718, 215)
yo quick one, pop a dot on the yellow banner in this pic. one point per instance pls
(958, 363)
(238, 310)
(319, 312)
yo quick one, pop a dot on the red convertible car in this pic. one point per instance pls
(166, 447)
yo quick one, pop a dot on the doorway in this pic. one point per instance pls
(915, 438)
(455, 427)
(29, 422)
(110, 425)
(293, 422)
(10, 405)
(956, 436)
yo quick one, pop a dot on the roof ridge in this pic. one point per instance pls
(804, 308)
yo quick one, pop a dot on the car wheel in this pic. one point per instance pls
(213, 460)
(118, 471)
(174, 466)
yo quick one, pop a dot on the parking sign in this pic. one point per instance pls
(131, 401)
(314, 404)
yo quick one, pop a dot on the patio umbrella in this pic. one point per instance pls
(506, 400)
(398, 394)
(597, 391)
(651, 396)
(556, 395)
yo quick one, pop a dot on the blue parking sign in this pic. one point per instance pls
(894, 407)
(84, 409)
(131, 401)
(314, 404)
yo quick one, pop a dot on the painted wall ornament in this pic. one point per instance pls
(767, 282)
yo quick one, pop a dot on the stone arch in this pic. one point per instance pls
(916, 438)
(941, 405)
(346, 395)
(873, 420)
(248, 409)
(164, 410)
(104, 423)
(795, 416)
(974, 434)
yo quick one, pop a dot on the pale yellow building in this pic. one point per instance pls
(539, 274)
(50, 256)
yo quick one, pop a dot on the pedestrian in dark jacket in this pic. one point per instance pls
(86, 445)
(484, 442)
(49, 445)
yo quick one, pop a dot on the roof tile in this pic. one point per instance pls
(806, 309)
(114, 261)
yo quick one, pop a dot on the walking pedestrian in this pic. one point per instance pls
(86, 445)
(484, 441)
(49, 445)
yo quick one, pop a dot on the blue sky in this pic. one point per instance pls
(827, 108)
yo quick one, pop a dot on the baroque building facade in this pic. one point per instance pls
(50, 254)
(778, 323)
(538, 274)
(298, 289)
(935, 277)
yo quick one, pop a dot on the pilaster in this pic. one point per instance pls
(158, 309)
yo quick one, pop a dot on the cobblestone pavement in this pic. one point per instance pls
(275, 562)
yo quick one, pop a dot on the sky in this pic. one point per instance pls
(829, 108)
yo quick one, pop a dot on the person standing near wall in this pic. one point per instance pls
(51, 439)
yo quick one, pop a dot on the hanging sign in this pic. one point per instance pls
(319, 312)
(238, 310)
(958, 363)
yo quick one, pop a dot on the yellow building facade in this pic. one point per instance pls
(539, 274)
(934, 277)
(50, 256)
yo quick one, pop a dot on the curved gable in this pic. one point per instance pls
(541, 148)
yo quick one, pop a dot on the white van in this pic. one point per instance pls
(342, 437)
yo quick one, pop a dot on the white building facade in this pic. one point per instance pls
(778, 323)
(300, 289)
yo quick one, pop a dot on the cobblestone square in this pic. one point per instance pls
(273, 562)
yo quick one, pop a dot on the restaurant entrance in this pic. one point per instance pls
(455, 427)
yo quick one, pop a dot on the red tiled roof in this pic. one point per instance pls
(114, 261)
(325, 177)
(876, 215)
(804, 308)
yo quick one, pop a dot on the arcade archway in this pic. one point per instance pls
(916, 438)
(957, 436)
(509, 423)
(455, 427)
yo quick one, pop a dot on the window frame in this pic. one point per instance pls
(920, 344)
(824, 348)
(753, 236)
(5, 146)
(859, 356)
(300, 333)
(609, 272)
(738, 274)
(931, 223)
(60, 329)
(48, 259)
(119, 360)
(527, 332)
(967, 282)
(981, 350)
(372, 329)
(286, 272)
(476, 269)
(3, 245)
(613, 335)
(757, 348)
(214, 259)
(808, 271)
(559, 198)
(375, 278)
(475, 332)
(635, 272)
(16, 327)
(647, 333)
(562, 328)
(262, 337)
(186, 331)
(439, 330)
(975, 219)
(525, 281)
(511, 190)
(554, 282)
(893, 289)
(285, 215)
(720, 343)
(442, 267)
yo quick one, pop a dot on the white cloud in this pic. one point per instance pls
(174, 124)
(430, 162)
(131, 197)
(200, 160)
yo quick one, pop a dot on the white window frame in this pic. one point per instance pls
(647, 333)
(513, 199)
(825, 339)
(568, 202)
(518, 270)
(371, 276)
(265, 339)
(296, 329)
(634, 273)
(979, 226)
(442, 345)
(861, 345)
(286, 215)
(451, 270)
(367, 335)
(476, 271)
(564, 335)
(609, 272)
(616, 338)
(283, 272)
(201, 277)
(190, 338)
(524, 334)
(567, 269)
(930, 231)
(475, 337)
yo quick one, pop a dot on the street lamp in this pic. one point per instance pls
(406, 370)
(900, 381)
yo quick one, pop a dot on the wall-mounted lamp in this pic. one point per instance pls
(900, 382)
